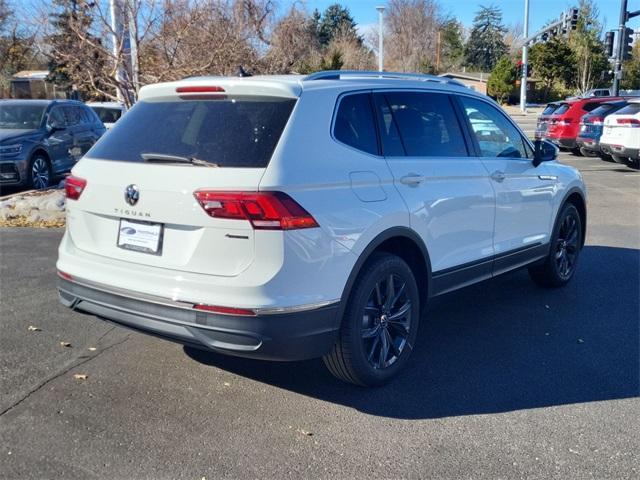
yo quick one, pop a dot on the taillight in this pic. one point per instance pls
(565, 121)
(596, 120)
(631, 122)
(73, 187)
(265, 210)
(225, 310)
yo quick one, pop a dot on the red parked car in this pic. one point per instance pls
(564, 124)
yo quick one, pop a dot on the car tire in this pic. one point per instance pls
(633, 163)
(619, 159)
(39, 173)
(380, 324)
(605, 158)
(587, 153)
(564, 249)
(577, 152)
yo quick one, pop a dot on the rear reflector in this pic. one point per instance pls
(65, 275)
(225, 310)
(632, 122)
(73, 187)
(199, 89)
(265, 210)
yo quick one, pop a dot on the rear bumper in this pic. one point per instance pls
(588, 143)
(563, 142)
(277, 336)
(620, 150)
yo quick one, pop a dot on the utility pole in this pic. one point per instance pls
(380, 39)
(523, 81)
(617, 69)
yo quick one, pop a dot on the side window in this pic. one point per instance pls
(496, 135)
(57, 115)
(73, 116)
(427, 124)
(354, 123)
(590, 106)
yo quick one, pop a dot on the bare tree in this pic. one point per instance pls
(411, 32)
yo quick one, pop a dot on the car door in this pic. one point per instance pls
(81, 131)
(59, 140)
(524, 193)
(448, 193)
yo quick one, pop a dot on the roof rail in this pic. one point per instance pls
(338, 74)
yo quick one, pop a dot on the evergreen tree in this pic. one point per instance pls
(451, 45)
(502, 79)
(486, 43)
(335, 19)
(552, 62)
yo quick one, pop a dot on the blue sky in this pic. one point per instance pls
(364, 12)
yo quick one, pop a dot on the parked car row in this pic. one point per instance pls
(608, 127)
(40, 140)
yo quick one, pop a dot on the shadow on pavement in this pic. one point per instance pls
(498, 346)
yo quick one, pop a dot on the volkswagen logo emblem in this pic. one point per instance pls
(131, 194)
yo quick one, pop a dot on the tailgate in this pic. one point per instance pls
(191, 241)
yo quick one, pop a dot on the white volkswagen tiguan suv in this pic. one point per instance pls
(290, 217)
(621, 134)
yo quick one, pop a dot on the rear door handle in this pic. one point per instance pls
(412, 179)
(498, 176)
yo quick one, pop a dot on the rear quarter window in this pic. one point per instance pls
(549, 109)
(233, 131)
(562, 109)
(354, 124)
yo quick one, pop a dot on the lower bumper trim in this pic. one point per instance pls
(285, 336)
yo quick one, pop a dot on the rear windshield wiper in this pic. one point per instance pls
(164, 158)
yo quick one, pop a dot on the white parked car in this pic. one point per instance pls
(108, 112)
(292, 217)
(621, 135)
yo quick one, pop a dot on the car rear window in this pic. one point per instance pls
(108, 114)
(603, 109)
(549, 109)
(234, 131)
(590, 106)
(630, 109)
(562, 109)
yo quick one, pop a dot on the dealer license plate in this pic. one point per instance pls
(143, 237)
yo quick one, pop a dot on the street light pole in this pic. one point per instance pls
(380, 39)
(523, 81)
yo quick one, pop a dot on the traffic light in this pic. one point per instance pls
(573, 18)
(608, 43)
(627, 40)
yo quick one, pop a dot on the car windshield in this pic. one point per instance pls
(233, 131)
(21, 116)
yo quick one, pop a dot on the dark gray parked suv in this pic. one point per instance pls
(42, 139)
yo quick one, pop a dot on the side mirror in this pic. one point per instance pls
(544, 151)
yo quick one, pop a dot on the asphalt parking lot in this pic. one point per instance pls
(509, 381)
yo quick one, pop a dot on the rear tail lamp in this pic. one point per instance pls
(596, 120)
(225, 310)
(73, 187)
(265, 210)
(630, 122)
(565, 121)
